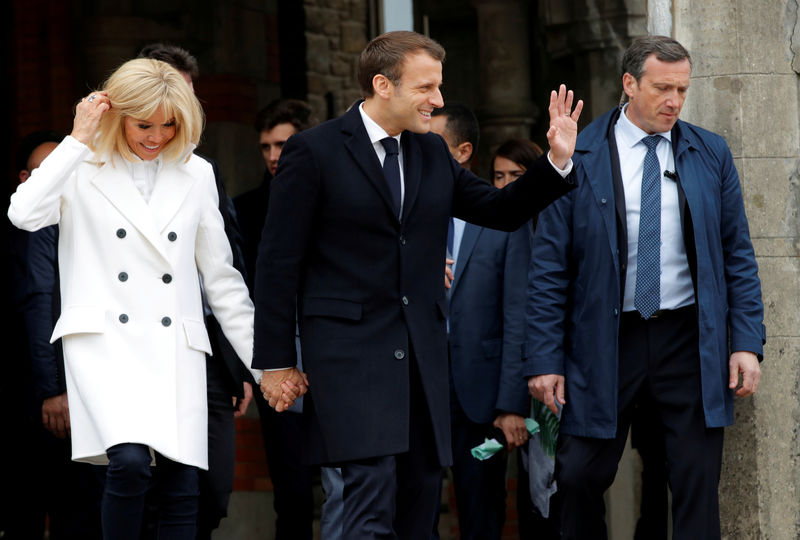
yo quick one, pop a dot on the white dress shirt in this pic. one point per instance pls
(375, 134)
(676, 280)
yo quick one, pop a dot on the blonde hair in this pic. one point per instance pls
(137, 89)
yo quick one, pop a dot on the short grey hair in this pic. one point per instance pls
(665, 48)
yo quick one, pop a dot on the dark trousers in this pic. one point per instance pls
(659, 360)
(647, 437)
(128, 479)
(480, 486)
(285, 438)
(216, 484)
(53, 489)
(396, 496)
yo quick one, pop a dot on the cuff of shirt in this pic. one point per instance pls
(563, 172)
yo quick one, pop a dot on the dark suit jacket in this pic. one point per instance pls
(368, 286)
(487, 322)
(578, 270)
(225, 368)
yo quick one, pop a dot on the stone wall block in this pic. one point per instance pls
(707, 29)
(715, 104)
(771, 191)
(323, 21)
(318, 53)
(772, 31)
(354, 37)
(342, 65)
(739, 474)
(781, 295)
(777, 405)
(770, 115)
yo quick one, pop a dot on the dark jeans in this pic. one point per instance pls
(128, 478)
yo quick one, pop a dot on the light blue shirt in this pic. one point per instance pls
(676, 279)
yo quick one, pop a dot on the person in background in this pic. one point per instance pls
(54, 493)
(486, 326)
(227, 378)
(138, 219)
(644, 288)
(289, 468)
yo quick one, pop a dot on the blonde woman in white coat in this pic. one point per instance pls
(137, 214)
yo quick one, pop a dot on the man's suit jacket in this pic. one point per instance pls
(578, 271)
(369, 286)
(487, 322)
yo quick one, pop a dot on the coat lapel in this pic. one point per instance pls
(412, 176)
(468, 240)
(360, 148)
(169, 192)
(115, 184)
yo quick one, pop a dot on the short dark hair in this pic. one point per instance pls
(386, 54)
(177, 57)
(285, 111)
(521, 151)
(461, 124)
(31, 142)
(665, 48)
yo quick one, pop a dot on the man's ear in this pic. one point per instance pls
(629, 84)
(382, 86)
(23, 175)
(464, 153)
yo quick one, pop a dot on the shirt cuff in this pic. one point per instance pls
(563, 172)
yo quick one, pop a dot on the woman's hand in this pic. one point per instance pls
(88, 114)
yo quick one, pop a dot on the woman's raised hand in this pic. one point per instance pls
(88, 114)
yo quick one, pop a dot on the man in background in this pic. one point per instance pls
(229, 384)
(486, 330)
(52, 489)
(644, 289)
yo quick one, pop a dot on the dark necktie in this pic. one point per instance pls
(391, 170)
(647, 297)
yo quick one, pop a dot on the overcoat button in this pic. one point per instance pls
(616, 312)
(402, 240)
(121, 233)
(405, 300)
(166, 278)
(166, 321)
(172, 236)
(603, 201)
(399, 354)
(123, 318)
(123, 276)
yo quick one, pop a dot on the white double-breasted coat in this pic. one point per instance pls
(132, 321)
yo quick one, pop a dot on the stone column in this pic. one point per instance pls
(506, 109)
(745, 87)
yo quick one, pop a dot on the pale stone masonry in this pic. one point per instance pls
(745, 88)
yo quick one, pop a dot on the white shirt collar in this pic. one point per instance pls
(374, 131)
(630, 133)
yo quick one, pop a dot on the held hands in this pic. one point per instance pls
(55, 415)
(88, 114)
(746, 364)
(563, 126)
(283, 386)
(514, 429)
(545, 388)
